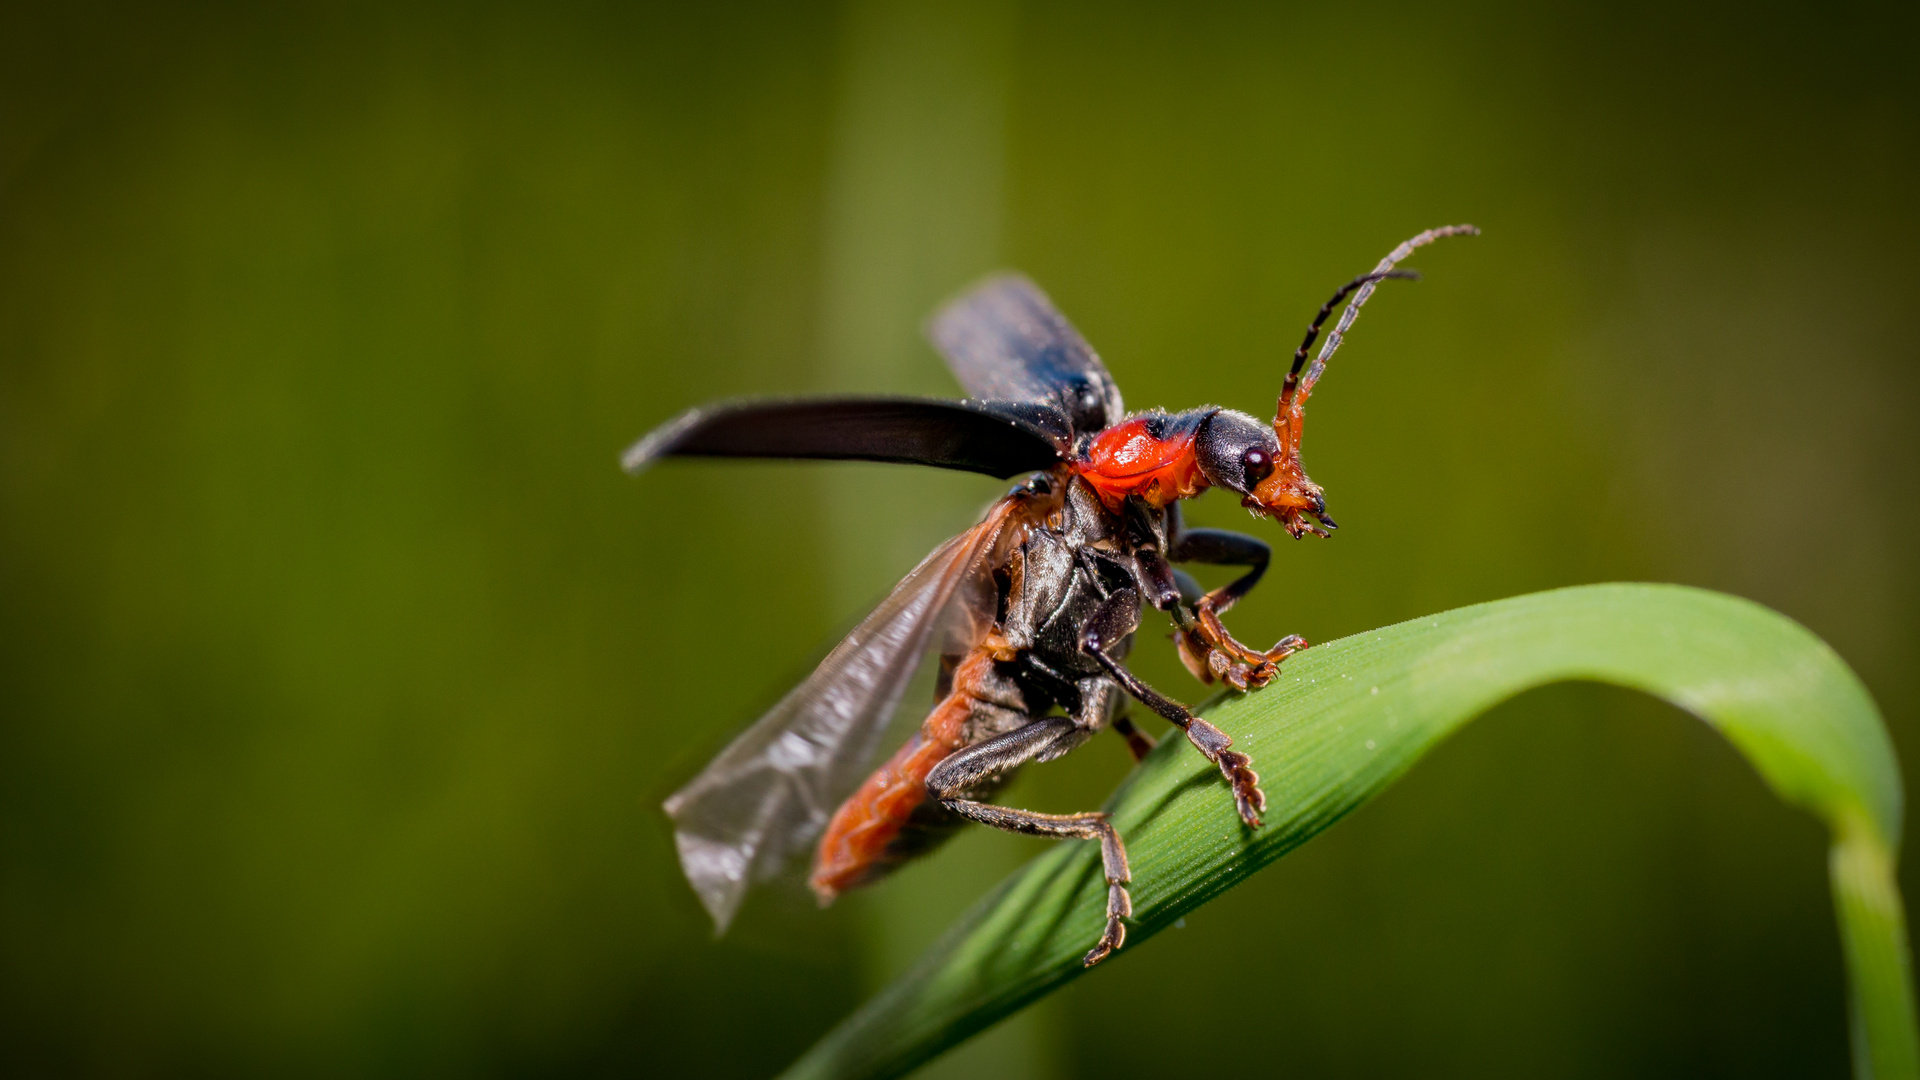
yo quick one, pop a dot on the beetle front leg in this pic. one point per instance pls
(1206, 647)
(1112, 621)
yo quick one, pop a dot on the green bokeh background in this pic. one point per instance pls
(343, 673)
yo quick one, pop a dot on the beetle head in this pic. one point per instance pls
(1255, 461)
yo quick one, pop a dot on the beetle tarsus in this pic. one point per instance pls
(1205, 645)
(1225, 659)
(1119, 906)
(1237, 767)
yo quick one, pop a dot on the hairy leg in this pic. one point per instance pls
(950, 781)
(1206, 647)
(1111, 623)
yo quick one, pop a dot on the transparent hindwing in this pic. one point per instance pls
(769, 794)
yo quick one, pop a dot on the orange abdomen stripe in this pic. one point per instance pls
(854, 849)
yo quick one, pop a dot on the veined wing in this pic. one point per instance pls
(1005, 341)
(769, 794)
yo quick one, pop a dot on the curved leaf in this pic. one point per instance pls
(1348, 717)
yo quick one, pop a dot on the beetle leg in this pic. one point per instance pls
(1206, 647)
(950, 781)
(1102, 704)
(1112, 621)
(1139, 743)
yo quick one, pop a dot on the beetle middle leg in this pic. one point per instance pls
(977, 765)
(1112, 621)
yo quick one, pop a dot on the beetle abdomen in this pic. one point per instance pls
(889, 819)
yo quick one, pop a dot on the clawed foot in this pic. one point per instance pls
(1231, 662)
(1247, 796)
(1237, 767)
(1212, 654)
(1119, 906)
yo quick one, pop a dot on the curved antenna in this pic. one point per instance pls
(1326, 309)
(1365, 283)
(1286, 493)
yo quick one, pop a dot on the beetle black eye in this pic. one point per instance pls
(1257, 464)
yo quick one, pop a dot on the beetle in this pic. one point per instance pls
(1031, 612)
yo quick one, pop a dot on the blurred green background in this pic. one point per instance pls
(343, 672)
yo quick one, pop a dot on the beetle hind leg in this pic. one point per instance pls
(1087, 826)
(951, 781)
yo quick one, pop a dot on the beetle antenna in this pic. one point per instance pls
(1326, 309)
(1288, 419)
(1365, 284)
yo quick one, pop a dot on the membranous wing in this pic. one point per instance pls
(1000, 439)
(770, 793)
(1005, 341)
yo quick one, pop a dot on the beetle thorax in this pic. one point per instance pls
(1149, 456)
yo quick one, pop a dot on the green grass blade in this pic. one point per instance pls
(1348, 717)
